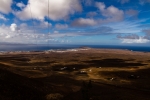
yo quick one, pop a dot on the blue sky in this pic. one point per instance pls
(100, 22)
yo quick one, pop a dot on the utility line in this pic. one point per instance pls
(48, 23)
(48, 16)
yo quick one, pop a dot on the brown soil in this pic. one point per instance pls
(114, 74)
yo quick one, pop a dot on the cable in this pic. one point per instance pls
(48, 16)
(48, 24)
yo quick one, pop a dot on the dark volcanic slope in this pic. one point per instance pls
(114, 75)
(16, 87)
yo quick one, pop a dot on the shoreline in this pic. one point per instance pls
(81, 50)
(69, 47)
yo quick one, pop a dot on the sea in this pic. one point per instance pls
(20, 47)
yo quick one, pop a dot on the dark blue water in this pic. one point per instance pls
(133, 48)
(63, 47)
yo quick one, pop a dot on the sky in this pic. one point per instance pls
(98, 22)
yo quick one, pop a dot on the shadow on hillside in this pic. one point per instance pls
(113, 63)
(139, 78)
(16, 87)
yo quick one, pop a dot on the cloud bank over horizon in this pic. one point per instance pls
(75, 21)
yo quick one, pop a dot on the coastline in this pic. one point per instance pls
(87, 49)
(39, 48)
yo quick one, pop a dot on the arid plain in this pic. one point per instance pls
(81, 74)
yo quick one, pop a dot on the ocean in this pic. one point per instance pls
(19, 47)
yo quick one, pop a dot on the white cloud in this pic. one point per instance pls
(146, 31)
(23, 26)
(44, 24)
(61, 26)
(132, 12)
(88, 2)
(140, 40)
(27, 35)
(5, 6)
(142, 2)
(91, 14)
(111, 13)
(128, 36)
(20, 5)
(4, 29)
(58, 9)
(126, 27)
(3, 17)
(84, 22)
(56, 32)
(13, 27)
(7, 36)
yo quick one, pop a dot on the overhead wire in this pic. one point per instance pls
(48, 24)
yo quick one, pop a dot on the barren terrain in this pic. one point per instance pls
(83, 74)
